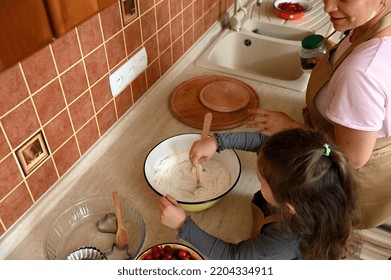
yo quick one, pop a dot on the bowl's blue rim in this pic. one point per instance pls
(188, 202)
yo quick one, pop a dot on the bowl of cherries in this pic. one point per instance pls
(291, 9)
(170, 251)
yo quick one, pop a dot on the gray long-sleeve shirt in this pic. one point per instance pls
(271, 244)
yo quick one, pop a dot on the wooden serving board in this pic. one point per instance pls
(186, 106)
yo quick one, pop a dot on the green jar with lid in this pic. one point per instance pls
(312, 48)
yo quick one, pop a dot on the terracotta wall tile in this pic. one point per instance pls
(10, 175)
(87, 136)
(186, 3)
(42, 179)
(90, 34)
(74, 82)
(198, 30)
(188, 39)
(115, 49)
(63, 89)
(176, 28)
(148, 24)
(145, 5)
(139, 86)
(106, 118)
(21, 123)
(96, 65)
(124, 101)
(175, 8)
(13, 89)
(133, 36)
(188, 18)
(177, 50)
(207, 20)
(165, 61)
(111, 21)
(153, 73)
(215, 13)
(2, 230)
(49, 101)
(162, 14)
(207, 5)
(59, 123)
(151, 47)
(66, 51)
(164, 37)
(17, 202)
(81, 111)
(4, 148)
(198, 9)
(39, 69)
(66, 156)
(101, 93)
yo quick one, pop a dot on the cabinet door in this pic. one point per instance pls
(24, 29)
(66, 14)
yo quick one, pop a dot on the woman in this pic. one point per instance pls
(308, 199)
(349, 97)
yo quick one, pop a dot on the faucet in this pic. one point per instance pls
(239, 13)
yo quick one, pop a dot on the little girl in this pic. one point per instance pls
(307, 201)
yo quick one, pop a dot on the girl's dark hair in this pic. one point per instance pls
(320, 188)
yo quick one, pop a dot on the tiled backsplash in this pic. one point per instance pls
(63, 89)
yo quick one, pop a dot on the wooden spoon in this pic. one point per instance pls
(122, 235)
(205, 132)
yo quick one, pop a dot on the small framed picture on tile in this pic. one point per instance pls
(32, 153)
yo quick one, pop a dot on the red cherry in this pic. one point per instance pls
(148, 256)
(183, 253)
(167, 248)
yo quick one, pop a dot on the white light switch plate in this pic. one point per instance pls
(128, 72)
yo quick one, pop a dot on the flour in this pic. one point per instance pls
(176, 176)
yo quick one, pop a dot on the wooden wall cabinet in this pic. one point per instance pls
(28, 25)
(24, 29)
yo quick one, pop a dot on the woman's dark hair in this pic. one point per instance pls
(320, 188)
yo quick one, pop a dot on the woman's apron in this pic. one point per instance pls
(374, 178)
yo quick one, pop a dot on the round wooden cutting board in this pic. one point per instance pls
(231, 112)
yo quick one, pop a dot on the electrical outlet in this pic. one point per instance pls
(128, 72)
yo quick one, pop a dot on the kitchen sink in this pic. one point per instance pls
(258, 57)
(266, 48)
(276, 30)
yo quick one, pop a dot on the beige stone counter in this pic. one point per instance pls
(116, 163)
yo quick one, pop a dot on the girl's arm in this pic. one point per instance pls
(270, 244)
(205, 149)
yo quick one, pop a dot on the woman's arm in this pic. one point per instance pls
(357, 145)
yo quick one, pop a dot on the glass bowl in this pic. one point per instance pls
(92, 223)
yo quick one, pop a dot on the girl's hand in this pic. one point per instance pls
(202, 150)
(172, 214)
(270, 122)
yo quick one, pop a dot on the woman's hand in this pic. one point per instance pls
(270, 122)
(172, 214)
(202, 150)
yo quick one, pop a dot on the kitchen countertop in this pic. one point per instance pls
(115, 163)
